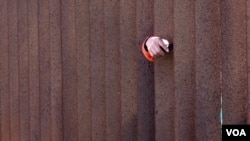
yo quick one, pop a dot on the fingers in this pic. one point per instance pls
(157, 46)
(155, 50)
(159, 51)
(164, 44)
(150, 51)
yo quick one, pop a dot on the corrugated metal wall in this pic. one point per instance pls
(73, 70)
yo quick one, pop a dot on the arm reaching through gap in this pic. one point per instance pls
(155, 46)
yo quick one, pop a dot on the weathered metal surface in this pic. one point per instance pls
(128, 70)
(184, 69)
(248, 57)
(207, 69)
(145, 74)
(44, 71)
(112, 70)
(164, 72)
(13, 71)
(234, 61)
(69, 71)
(23, 70)
(34, 70)
(97, 56)
(83, 70)
(4, 74)
(55, 71)
(73, 70)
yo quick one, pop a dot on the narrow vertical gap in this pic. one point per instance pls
(18, 56)
(136, 65)
(49, 81)
(9, 87)
(195, 65)
(247, 59)
(153, 66)
(28, 43)
(39, 86)
(50, 78)
(76, 79)
(221, 81)
(104, 66)
(152, 70)
(120, 58)
(174, 79)
(49, 51)
(105, 59)
(90, 69)
(120, 84)
(62, 101)
(61, 66)
(38, 65)
(247, 62)
(28, 48)
(76, 74)
(18, 62)
(8, 34)
(90, 73)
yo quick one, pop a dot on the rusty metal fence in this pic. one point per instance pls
(73, 70)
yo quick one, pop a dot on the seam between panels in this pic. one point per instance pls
(61, 46)
(247, 53)
(76, 63)
(8, 35)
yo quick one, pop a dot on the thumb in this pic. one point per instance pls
(164, 45)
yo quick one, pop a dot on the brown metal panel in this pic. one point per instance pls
(184, 69)
(4, 74)
(69, 67)
(128, 56)
(13, 71)
(248, 56)
(234, 61)
(33, 70)
(44, 71)
(145, 76)
(164, 72)
(112, 70)
(97, 70)
(23, 71)
(208, 92)
(83, 70)
(56, 71)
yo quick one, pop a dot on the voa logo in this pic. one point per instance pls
(236, 132)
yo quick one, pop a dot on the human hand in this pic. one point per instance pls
(157, 46)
